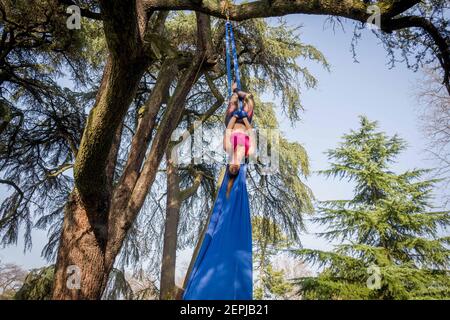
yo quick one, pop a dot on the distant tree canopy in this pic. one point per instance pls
(11, 279)
(84, 159)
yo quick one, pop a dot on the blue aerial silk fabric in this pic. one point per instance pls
(223, 268)
(229, 41)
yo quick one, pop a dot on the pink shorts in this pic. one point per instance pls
(242, 139)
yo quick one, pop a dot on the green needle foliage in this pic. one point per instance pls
(38, 285)
(389, 239)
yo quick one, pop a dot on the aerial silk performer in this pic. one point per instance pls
(223, 266)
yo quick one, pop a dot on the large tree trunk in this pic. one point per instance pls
(80, 268)
(85, 230)
(175, 197)
(167, 287)
(96, 221)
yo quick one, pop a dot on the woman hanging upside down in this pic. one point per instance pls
(239, 139)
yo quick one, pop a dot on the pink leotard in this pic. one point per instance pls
(240, 138)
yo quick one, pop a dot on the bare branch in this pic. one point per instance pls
(432, 31)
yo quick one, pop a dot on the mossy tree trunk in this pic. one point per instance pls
(97, 216)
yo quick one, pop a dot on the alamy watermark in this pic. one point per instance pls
(196, 147)
(74, 277)
(374, 280)
(374, 21)
(74, 20)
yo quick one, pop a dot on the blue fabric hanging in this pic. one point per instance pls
(223, 268)
(228, 58)
(229, 39)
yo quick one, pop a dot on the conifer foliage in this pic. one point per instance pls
(390, 237)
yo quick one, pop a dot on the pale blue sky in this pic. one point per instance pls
(366, 88)
(349, 90)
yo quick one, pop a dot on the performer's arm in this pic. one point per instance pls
(226, 137)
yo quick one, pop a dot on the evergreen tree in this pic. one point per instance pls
(389, 239)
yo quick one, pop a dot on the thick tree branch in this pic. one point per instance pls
(118, 87)
(395, 7)
(432, 31)
(84, 12)
(160, 142)
(191, 190)
(124, 24)
(256, 9)
(162, 138)
(356, 10)
(141, 138)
